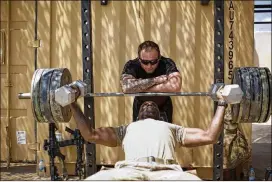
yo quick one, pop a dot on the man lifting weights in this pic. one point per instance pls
(149, 144)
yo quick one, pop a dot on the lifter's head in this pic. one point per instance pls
(149, 109)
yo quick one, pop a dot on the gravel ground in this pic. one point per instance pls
(19, 171)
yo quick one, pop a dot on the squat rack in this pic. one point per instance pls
(87, 60)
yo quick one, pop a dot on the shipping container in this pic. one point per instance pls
(184, 31)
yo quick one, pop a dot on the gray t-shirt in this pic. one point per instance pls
(150, 137)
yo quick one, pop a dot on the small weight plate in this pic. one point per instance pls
(60, 77)
(236, 107)
(265, 95)
(256, 102)
(35, 95)
(269, 77)
(45, 95)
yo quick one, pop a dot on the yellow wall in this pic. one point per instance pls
(21, 69)
(184, 31)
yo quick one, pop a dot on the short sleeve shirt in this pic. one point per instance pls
(166, 66)
(150, 137)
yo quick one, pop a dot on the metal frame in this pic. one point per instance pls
(263, 22)
(263, 8)
(263, 11)
(87, 60)
(35, 67)
(88, 78)
(218, 78)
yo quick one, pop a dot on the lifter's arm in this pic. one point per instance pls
(104, 136)
(197, 137)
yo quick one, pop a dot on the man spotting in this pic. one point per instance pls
(151, 72)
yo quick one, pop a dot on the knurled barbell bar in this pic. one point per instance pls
(51, 93)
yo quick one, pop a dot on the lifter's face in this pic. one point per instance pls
(149, 60)
(149, 109)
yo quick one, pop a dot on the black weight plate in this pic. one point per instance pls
(45, 95)
(269, 77)
(236, 107)
(265, 95)
(35, 95)
(32, 94)
(246, 87)
(60, 77)
(256, 102)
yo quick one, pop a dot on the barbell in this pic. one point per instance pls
(252, 104)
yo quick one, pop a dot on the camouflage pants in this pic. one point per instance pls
(142, 171)
(236, 148)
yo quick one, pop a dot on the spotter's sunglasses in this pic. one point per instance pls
(152, 62)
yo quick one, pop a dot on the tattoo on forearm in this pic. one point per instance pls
(131, 85)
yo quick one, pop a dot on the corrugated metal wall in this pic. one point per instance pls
(184, 31)
(21, 69)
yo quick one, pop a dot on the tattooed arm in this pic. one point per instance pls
(173, 84)
(130, 84)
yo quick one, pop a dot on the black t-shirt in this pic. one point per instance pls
(166, 66)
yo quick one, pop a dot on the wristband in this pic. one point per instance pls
(222, 103)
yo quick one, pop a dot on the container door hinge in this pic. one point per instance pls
(35, 43)
(8, 84)
(34, 146)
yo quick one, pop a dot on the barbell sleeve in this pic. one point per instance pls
(24, 95)
(120, 94)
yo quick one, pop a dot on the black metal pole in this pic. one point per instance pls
(52, 151)
(263, 22)
(218, 78)
(35, 67)
(87, 61)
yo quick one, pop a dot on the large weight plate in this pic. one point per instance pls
(265, 95)
(246, 87)
(45, 95)
(269, 76)
(32, 94)
(59, 78)
(35, 95)
(236, 107)
(256, 102)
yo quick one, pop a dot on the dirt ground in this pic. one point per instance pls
(19, 171)
(23, 172)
